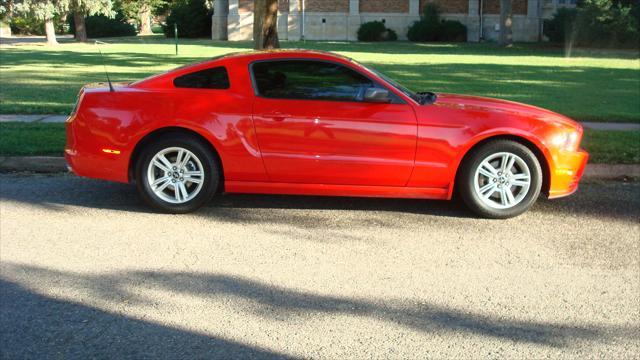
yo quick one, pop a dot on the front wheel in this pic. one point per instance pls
(176, 174)
(500, 179)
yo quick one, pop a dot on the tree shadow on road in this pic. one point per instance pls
(32, 316)
(33, 326)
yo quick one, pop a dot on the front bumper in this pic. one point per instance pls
(566, 172)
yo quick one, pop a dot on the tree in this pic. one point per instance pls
(506, 23)
(44, 10)
(6, 12)
(6, 9)
(191, 17)
(141, 10)
(83, 8)
(265, 24)
(596, 23)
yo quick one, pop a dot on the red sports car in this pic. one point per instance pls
(315, 123)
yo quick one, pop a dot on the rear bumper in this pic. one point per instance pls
(85, 153)
(566, 173)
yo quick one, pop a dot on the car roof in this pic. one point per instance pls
(264, 54)
(161, 79)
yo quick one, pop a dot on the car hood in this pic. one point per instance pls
(490, 105)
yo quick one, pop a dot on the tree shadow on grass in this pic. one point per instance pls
(396, 47)
(18, 57)
(247, 295)
(585, 92)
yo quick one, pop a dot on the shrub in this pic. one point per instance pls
(376, 31)
(431, 28)
(26, 25)
(193, 19)
(157, 29)
(452, 30)
(390, 35)
(29, 25)
(557, 27)
(428, 27)
(102, 26)
(596, 23)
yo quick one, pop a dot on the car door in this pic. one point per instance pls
(313, 126)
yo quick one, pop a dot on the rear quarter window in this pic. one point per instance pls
(214, 78)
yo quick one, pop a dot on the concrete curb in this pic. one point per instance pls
(41, 164)
(612, 171)
(611, 126)
(42, 118)
(55, 164)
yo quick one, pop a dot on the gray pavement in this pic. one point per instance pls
(88, 271)
(611, 126)
(31, 39)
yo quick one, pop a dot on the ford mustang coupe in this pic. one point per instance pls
(315, 123)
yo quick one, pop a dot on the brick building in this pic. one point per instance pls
(340, 19)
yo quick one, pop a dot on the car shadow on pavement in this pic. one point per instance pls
(54, 192)
(44, 321)
(614, 200)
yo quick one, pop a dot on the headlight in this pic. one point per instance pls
(568, 140)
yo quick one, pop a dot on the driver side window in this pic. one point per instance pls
(309, 80)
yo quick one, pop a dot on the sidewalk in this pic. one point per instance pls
(611, 126)
(44, 118)
(31, 39)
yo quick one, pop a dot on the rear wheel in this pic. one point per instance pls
(501, 179)
(177, 174)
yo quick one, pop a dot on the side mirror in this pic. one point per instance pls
(377, 95)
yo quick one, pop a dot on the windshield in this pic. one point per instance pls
(393, 83)
(422, 98)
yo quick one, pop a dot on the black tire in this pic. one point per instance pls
(466, 178)
(201, 151)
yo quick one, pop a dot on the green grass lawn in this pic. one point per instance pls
(612, 147)
(597, 86)
(23, 139)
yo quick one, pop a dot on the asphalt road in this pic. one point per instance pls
(87, 271)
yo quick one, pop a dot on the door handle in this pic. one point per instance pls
(278, 116)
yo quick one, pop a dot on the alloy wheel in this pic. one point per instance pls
(502, 180)
(175, 175)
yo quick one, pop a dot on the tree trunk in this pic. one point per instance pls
(144, 16)
(50, 30)
(81, 29)
(506, 23)
(265, 24)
